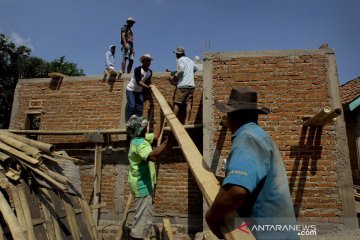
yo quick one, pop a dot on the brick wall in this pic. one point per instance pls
(293, 86)
(83, 103)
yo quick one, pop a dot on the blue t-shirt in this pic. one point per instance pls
(254, 161)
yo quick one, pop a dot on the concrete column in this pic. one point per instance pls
(342, 150)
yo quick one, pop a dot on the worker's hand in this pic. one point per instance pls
(126, 46)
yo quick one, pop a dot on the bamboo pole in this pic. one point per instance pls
(82, 132)
(17, 153)
(11, 219)
(97, 180)
(331, 116)
(323, 117)
(120, 230)
(45, 147)
(206, 180)
(46, 177)
(12, 174)
(34, 152)
(56, 176)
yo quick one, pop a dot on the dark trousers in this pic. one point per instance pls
(135, 102)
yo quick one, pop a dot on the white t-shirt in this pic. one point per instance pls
(140, 74)
(186, 68)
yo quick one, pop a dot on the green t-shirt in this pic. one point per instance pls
(141, 171)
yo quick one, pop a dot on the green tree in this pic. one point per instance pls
(15, 63)
(9, 72)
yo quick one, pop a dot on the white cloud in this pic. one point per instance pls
(18, 40)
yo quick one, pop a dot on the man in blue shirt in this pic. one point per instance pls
(110, 62)
(256, 184)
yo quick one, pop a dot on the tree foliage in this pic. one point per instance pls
(15, 63)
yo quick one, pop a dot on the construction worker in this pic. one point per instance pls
(127, 42)
(185, 87)
(256, 184)
(110, 62)
(139, 82)
(142, 173)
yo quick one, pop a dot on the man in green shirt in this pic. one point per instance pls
(142, 173)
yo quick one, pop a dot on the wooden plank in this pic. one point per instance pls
(167, 230)
(206, 180)
(18, 208)
(97, 180)
(70, 215)
(123, 220)
(4, 182)
(49, 224)
(92, 207)
(11, 220)
(26, 212)
(85, 230)
(88, 217)
(51, 208)
(62, 221)
(1, 233)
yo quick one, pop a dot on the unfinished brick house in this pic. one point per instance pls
(294, 84)
(350, 96)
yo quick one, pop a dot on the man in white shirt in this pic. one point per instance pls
(139, 82)
(110, 62)
(184, 92)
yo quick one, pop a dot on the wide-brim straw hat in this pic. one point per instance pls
(241, 98)
(145, 56)
(179, 50)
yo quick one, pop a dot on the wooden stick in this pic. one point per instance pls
(46, 177)
(89, 220)
(167, 230)
(4, 157)
(123, 220)
(70, 214)
(45, 147)
(97, 180)
(18, 208)
(11, 220)
(12, 174)
(26, 211)
(330, 116)
(206, 180)
(82, 132)
(54, 218)
(20, 155)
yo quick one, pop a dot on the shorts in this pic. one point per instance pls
(128, 53)
(184, 95)
(144, 217)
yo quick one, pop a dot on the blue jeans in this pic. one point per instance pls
(135, 102)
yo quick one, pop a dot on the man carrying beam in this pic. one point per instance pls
(256, 184)
(142, 173)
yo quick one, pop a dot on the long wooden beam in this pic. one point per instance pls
(205, 178)
(82, 132)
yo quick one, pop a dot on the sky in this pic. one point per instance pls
(82, 30)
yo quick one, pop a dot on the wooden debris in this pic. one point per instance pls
(167, 230)
(22, 156)
(97, 181)
(44, 147)
(123, 220)
(11, 220)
